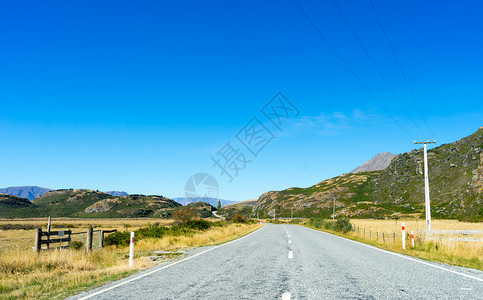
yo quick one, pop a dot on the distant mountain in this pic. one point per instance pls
(377, 163)
(211, 201)
(28, 192)
(118, 194)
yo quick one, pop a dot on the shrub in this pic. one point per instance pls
(76, 245)
(239, 219)
(183, 216)
(317, 223)
(118, 239)
(199, 225)
(342, 225)
(152, 231)
(17, 227)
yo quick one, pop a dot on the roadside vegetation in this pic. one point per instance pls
(60, 273)
(386, 234)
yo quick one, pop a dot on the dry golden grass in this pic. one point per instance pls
(56, 274)
(414, 224)
(24, 239)
(466, 254)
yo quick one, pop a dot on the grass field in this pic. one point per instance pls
(57, 274)
(465, 254)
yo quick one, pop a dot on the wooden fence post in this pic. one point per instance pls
(89, 239)
(38, 239)
(383, 238)
(101, 239)
(48, 232)
(394, 237)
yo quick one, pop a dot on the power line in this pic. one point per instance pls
(350, 69)
(375, 66)
(400, 67)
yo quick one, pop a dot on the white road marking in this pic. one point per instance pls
(165, 267)
(289, 241)
(286, 296)
(401, 255)
(290, 254)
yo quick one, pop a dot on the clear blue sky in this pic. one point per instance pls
(139, 96)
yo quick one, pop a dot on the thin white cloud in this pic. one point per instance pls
(334, 123)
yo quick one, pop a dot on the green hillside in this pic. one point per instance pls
(87, 203)
(456, 187)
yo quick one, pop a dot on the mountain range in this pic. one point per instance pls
(370, 191)
(87, 203)
(33, 192)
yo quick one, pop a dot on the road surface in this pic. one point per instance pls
(294, 262)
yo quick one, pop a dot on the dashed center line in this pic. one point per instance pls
(290, 254)
(286, 296)
(289, 241)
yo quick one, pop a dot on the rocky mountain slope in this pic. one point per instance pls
(377, 163)
(244, 208)
(456, 187)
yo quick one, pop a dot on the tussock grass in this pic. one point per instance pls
(57, 274)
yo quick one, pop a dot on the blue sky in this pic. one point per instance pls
(139, 96)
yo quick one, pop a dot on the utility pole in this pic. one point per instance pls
(292, 214)
(426, 185)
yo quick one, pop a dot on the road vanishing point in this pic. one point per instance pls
(294, 262)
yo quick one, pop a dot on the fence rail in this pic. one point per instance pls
(44, 238)
(453, 235)
(464, 232)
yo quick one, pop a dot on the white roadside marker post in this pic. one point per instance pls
(131, 249)
(412, 238)
(403, 236)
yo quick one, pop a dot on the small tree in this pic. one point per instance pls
(239, 219)
(184, 216)
(218, 205)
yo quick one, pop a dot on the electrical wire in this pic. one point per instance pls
(378, 70)
(400, 67)
(351, 70)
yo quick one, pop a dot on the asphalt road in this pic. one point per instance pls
(294, 262)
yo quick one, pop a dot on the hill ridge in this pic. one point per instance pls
(456, 187)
